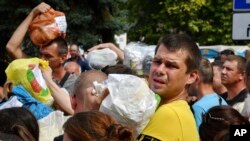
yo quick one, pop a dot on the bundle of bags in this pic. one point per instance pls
(139, 56)
(47, 26)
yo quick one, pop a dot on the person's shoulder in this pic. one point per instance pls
(174, 106)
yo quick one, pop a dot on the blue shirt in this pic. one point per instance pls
(204, 104)
(82, 62)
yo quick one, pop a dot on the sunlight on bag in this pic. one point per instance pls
(47, 27)
(26, 72)
(130, 101)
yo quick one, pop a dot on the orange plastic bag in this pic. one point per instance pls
(47, 26)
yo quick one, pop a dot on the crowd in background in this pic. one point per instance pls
(195, 99)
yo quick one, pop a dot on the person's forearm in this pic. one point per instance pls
(119, 53)
(60, 96)
(14, 44)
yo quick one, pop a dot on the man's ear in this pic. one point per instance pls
(193, 77)
(73, 102)
(243, 76)
(104, 94)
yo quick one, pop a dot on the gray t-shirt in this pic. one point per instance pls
(69, 83)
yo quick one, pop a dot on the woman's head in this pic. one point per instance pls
(216, 123)
(94, 125)
(19, 121)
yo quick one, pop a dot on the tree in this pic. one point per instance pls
(207, 21)
(89, 22)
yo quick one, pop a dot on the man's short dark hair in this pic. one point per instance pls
(227, 52)
(62, 45)
(217, 63)
(206, 71)
(176, 42)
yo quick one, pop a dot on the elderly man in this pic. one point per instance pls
(72, 68)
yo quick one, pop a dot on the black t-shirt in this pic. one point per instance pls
(239, 98)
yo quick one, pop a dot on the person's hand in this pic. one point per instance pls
(103, 46)
(93, 101)
(41, 8)
(47, 73)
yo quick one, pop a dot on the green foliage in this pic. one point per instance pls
(207, 21)
(89, 21)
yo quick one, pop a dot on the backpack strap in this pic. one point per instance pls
(220, 100)
(65, 77)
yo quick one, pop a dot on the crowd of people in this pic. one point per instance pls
(198, 99)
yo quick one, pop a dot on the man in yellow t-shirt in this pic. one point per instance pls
(174, 68)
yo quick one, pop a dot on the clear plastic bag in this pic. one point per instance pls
(101, 58)
(139, 56)
(130, 101)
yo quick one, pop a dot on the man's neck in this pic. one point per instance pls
(58, 73)
(205, 89)
(180, 96)
(220, 90)
(234, 90)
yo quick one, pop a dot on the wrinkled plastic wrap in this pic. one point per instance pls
(47, 27)
(26, 72)
(101, 58)
(139, 56)
(51, 126)
(130, 101)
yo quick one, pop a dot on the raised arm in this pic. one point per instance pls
(111, 46)
(14, 44)
(60, 95)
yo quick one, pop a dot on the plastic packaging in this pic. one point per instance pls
(26, 72)
(47, 27)
(139, 56)
(98, 88)
(51, 126)
(130, 101)
(99, 59)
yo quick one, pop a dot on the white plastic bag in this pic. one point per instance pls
(51, 126)
(130, 101)
(99, 59)
(138, 56)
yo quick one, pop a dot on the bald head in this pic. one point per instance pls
(83, 99)
(86, 79)
(73, 67)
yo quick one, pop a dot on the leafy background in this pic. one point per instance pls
(91, 22)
